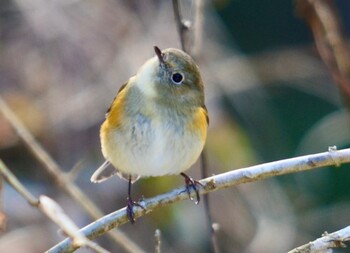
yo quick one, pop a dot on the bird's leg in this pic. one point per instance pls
(191, 183)
(130, 204)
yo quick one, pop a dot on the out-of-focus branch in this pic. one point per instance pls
(198, 29)
(51, 209)
(2, 213)
(60, 177)
(158, 241)
(221, 181)
(182, 27)
(326, 242)
(54, 211)
(324, 22)
(183, 33)
(17, 185)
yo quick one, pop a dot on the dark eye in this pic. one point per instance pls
(177, 78)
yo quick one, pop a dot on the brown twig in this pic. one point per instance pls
(158, 241)
(324, 22)
(3, 217)
(51, 209)
(182, 26)
(196, 48)
(212, 232)
(60, 177)
(198, 29)
(17, 185)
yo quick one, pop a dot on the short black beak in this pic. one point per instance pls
(159, 55)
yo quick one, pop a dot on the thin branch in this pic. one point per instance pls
(182, 26)
(3, 217)
(328, 241)
(324, 22)
(198, 29)
(158, 241)
(51, 209)
(221, 181)
(54, 211)
(183, 33)
(206, 201)
(12, 180)
(60, 177)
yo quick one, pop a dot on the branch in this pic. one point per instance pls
(182, 26)
(61, 178)
(51, 209)
(197, 43)
(326, 26)
(210, 184)
(157, 236)
(326, 242)
(12, 180)
(2, 212)
(198, 29)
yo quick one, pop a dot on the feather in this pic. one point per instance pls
(103, 173)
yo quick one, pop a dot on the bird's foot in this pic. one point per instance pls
(191, 183)
(129, 209)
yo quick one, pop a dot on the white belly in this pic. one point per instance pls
(153, 148)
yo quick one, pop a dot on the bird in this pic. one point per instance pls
(157, 123)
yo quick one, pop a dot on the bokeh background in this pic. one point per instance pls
(269, 96)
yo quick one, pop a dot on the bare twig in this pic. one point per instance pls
(48, 163)
(60, 177)
(198, 29)
(3, 217)
(183, 33)
(324, 22)
(157, 236)
(182, 26)
(221, 181)
(72, 174)
(17, 185)
(51, 209)
(326, 242)
(206, 201)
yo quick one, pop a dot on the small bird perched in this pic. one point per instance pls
(157, 123)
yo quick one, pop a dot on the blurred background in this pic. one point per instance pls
(268, 93)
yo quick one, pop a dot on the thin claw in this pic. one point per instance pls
(191, 183)
(130, 204)
(130, 211)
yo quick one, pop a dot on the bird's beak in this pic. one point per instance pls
(159, 55)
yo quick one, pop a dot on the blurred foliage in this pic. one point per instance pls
(269, 97)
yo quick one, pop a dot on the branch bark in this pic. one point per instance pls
(326, 26)
(229, 179)
(326, 242)
(61, 178)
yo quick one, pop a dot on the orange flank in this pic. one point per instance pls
(115, 115)
(200, 122)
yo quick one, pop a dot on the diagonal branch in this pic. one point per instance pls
(51, 209)
(326, 242)
(221, 181)
(326, 26)
(61, 178)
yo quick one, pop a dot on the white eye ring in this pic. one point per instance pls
(177, 78)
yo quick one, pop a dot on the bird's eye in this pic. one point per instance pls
(177, 78)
